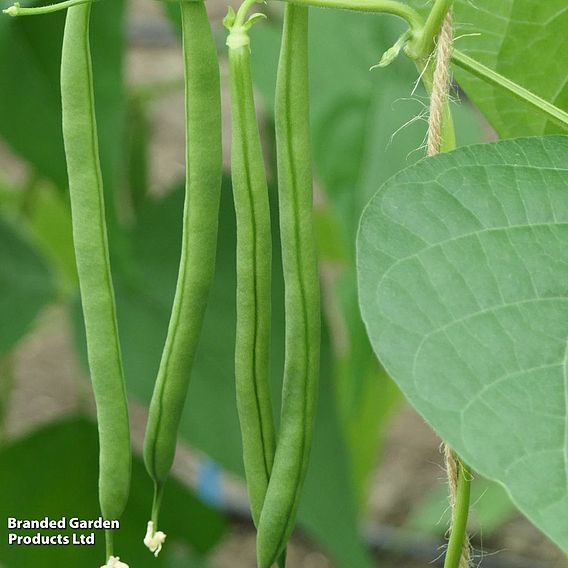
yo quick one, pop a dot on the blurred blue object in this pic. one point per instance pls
(209, 484)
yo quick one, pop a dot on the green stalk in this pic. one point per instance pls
(422, 45)
(240, 24)
(17, 10)
(157, 502)
(491, 77)
(411, 16)
(109, 544)
(459, 518)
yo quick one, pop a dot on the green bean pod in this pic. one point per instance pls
(199, 243)
(302, 296)
(93, 264)
(254, 266)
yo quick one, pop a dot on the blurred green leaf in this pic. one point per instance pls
(171, 9)
(491, 509)
(30, 101)
(6, 387)
(329, 508)
(53, 473)
(48, 222)
(26, 285)
(43, 214)
(108, 52)
(30, 108)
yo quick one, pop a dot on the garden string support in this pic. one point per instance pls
(458, 553)
(440, 87)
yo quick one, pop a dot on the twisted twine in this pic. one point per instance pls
(438, 101)
(440, 86)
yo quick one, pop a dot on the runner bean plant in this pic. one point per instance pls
(461, 263)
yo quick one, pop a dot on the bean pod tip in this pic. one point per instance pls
(114, 562)
(154, 540)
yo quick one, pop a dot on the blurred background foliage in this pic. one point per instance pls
(366, 126)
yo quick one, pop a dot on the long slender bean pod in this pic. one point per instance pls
(93, 265)
(199, 242)
(302, 297)
(254, 263)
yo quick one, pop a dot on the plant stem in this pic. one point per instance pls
(109, 543)
(491, 77)
(423, 43)
(411, 16)
(16, 10)
(459, 518)
(242, 12)
(157, 502)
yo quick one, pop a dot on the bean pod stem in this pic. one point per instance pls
(199, 243)
(302, 296)
(93, 264)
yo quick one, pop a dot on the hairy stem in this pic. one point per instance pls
(423, 43)
(459, 520)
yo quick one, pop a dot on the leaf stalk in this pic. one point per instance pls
(546, 108)
(17, 10)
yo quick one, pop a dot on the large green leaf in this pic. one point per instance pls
(463, 277)
(523, 40)
(53, 473)
(26, 285)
